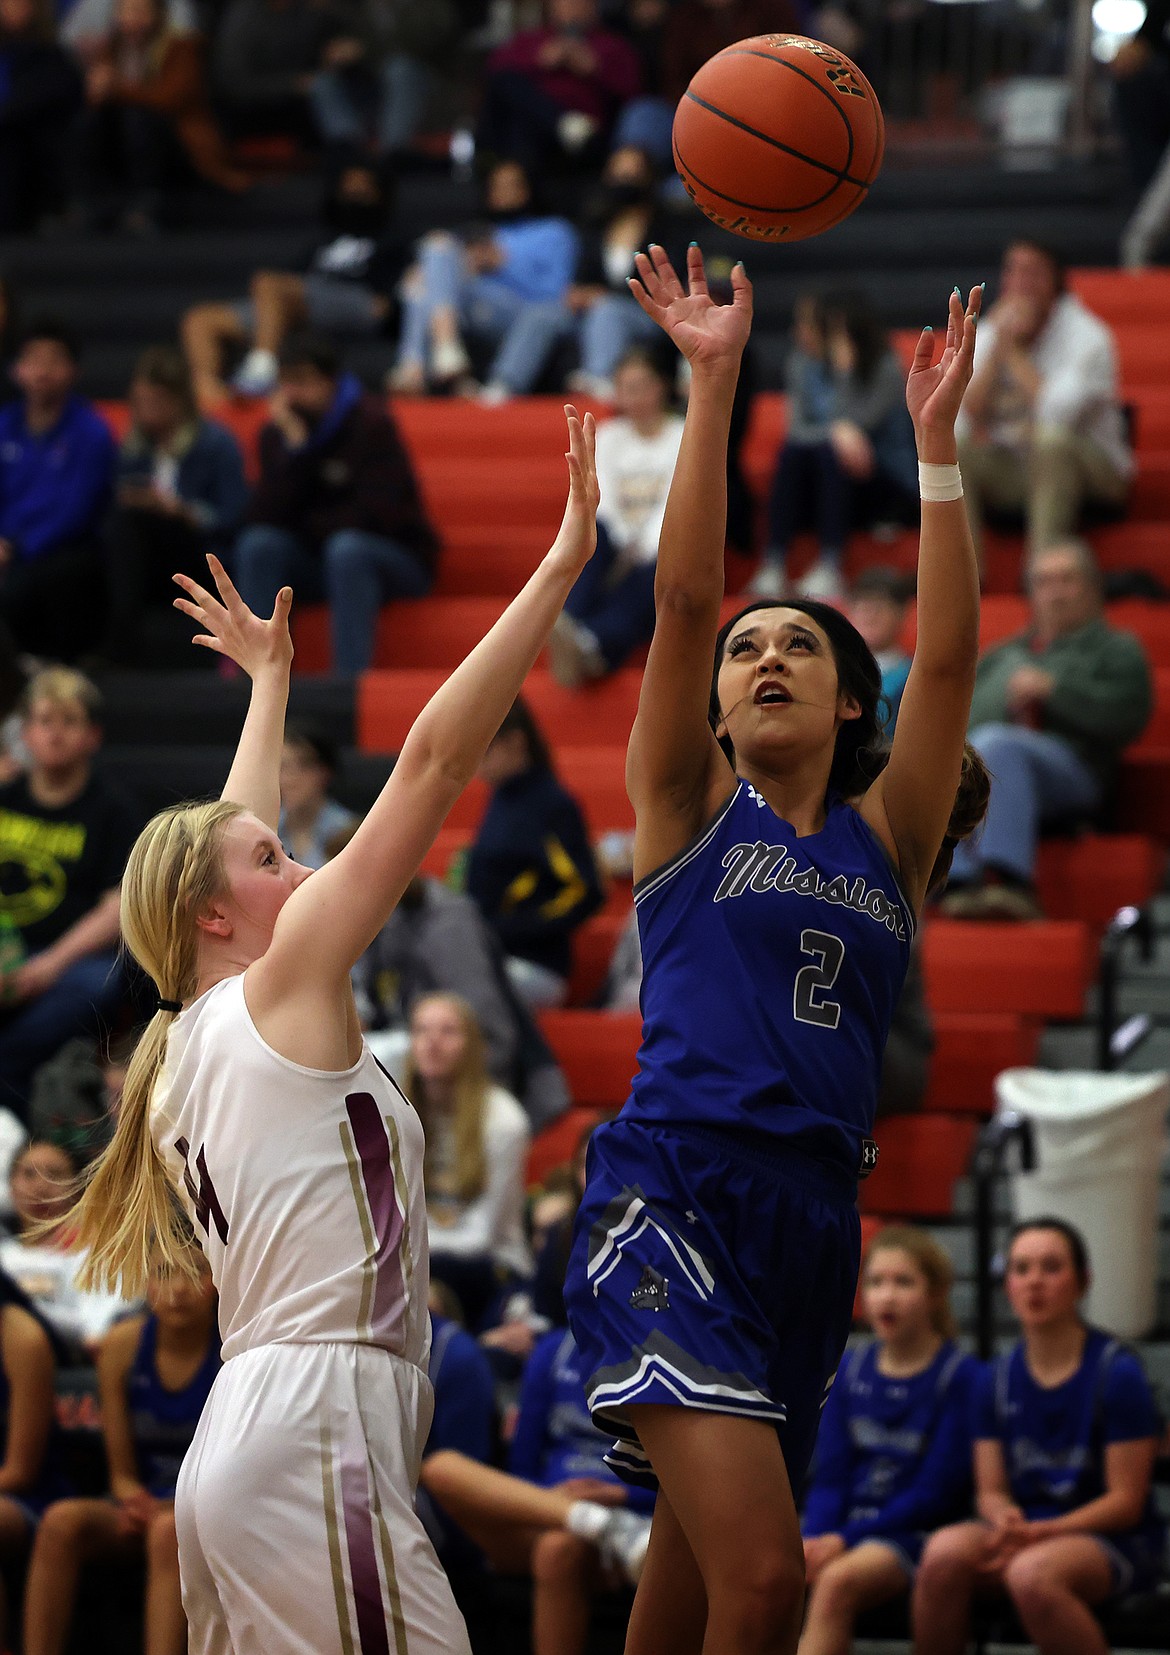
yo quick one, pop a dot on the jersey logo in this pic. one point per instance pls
(763, 868)
(203, 1196)
(652, 1292)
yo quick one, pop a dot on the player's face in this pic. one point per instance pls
(42, 1184)
(896, 1296)
(1042, 1282)
(59, 735)
(259, 879)
(437, 1040)
(778, 687)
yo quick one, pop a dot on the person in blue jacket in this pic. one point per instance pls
(1066, 1432)
(531, 868)
(155, 1373)
(56, 470)
(558, 1512)
(893, 1454)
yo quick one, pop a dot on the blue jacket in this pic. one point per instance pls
(55, 487)
(210, 476)
(540, 256)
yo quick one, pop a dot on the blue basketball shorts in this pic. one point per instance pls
(710, 1273)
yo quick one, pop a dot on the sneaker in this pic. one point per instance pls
(620, 1535)
(257, 374)
(822, 581)
(769, 581)
(450, 361)
(590, 385)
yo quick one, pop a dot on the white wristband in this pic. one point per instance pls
(939, 482)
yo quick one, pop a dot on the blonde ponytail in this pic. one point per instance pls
(129, 1219)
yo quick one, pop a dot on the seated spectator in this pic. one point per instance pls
(30, 1463)
(266, 55)
(39, 91)
(1141, 93)
(531, 869)
(1066, 1430)
(64, 838)
(877, 607)
(477, 1150)
(154, 1375)
(464, 1420)
(552, 93)
(38, 1257)
(1042, 432)
(308, 816)
(149, 121)
(684, 35)
(76, 1095)
(88, 22)
(504, 280)
(621, 219)
(849, 459)
(342, 291)
(552, 1240)
(1052, 712)
(180, 494)
(893, 1455)
(56, 469)
(610, 610)
(909, 1045)
(337, 512)
(373, 90)
(558, 1513)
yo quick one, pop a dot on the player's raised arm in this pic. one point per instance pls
(330, 919)
(674, 761)
(910, 803)
(263, 649)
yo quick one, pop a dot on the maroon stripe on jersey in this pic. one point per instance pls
(369, 1605)
(373, 1147)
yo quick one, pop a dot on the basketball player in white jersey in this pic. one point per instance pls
(253, 1096)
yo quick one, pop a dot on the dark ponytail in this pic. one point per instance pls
(967, 812)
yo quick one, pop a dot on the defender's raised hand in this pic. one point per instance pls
(231, 627)
(577, 536)
(705, 332)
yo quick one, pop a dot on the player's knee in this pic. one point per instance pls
(345, 549)
(835, 1589)
(949, 1558)
(162, 1541)
(62, 1525)
(765, 1591)
(559, 1556)
(1030, 1582)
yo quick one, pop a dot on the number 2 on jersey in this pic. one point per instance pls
(813, 982)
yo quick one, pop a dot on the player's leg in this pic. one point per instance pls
(725, 1478)
(504, 1515)
(669, 1616)
(205, 330)
(279, 298)
(15, 1534)
(164, 1624)
(71, 1533)
(1052, 1585)
(860, 1579)
(953, 1566)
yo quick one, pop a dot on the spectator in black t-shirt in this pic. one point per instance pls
(531, 868)
(64, 840)
(342, 288)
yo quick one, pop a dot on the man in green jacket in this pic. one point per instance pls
(1053, 710)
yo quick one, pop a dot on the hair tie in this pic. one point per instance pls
(170, 1005)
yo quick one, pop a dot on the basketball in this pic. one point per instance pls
(778, 138)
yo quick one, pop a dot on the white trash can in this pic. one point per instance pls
(1100, 1141)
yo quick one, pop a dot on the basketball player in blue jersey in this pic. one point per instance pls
(779, 872)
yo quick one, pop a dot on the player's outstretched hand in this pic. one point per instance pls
(577, 535)
(231, 627)
(935, 390)
(703, 331)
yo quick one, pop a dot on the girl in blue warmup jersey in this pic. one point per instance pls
(893, 1457)
(777, 886)
(1066, 1432)
(154, 1376)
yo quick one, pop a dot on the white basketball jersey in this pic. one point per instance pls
(305, 1186)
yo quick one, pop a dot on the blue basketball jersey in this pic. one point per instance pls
(163, 1422)
(771, 968)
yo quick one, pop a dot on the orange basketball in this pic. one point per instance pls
(778, 137)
